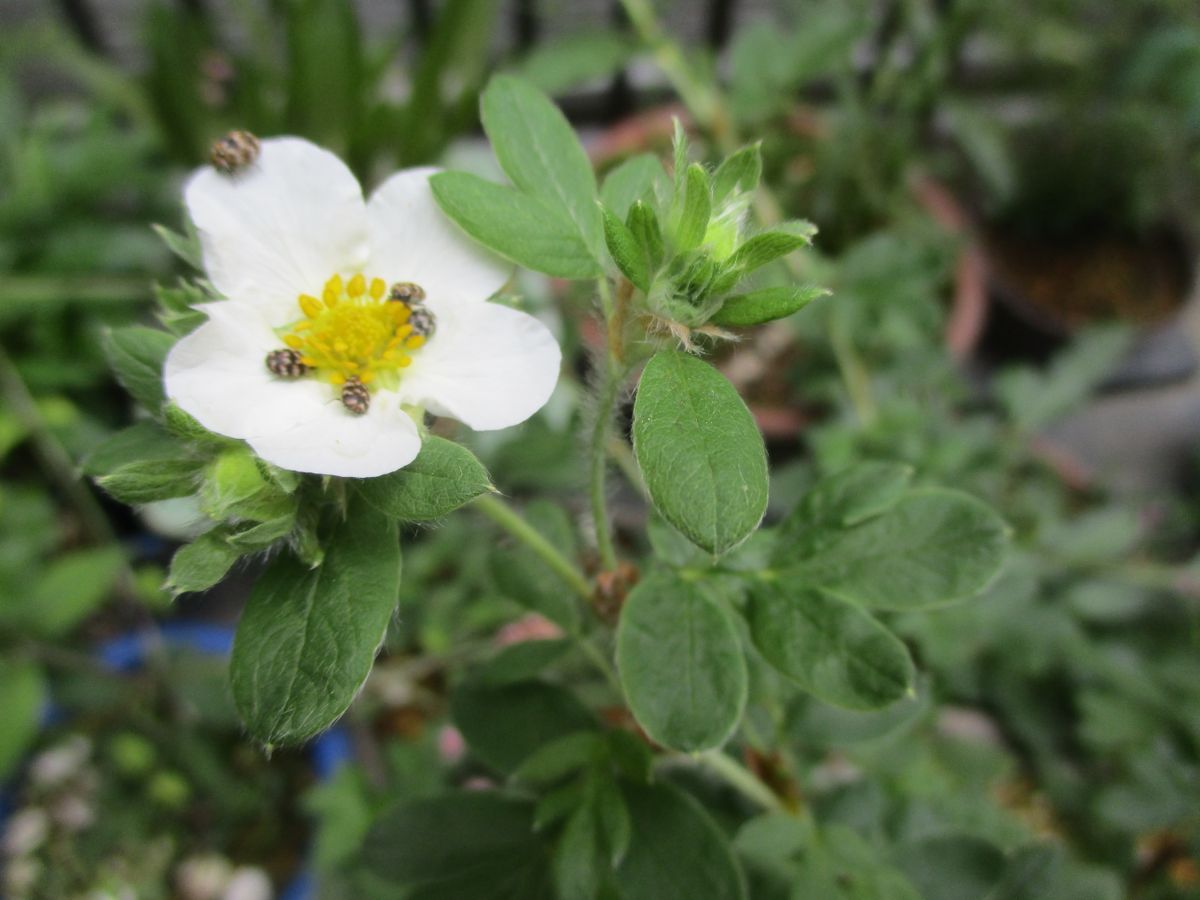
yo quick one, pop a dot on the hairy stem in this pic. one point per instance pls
(733, 774)
(510, 520)
(709, 108)
(606, 397)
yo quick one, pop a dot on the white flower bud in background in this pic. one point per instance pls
(56, 765)
(72, 813)
(20, 876)
(26, 831)
(203, 877)
(248, 883)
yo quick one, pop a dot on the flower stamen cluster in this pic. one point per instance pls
(354, 332)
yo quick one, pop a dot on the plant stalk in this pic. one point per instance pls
(510, 520)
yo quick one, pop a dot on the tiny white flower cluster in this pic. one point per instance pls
(346, 319)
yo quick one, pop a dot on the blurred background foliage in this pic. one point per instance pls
(1006, 194)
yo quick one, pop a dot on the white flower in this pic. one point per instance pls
(308, 266)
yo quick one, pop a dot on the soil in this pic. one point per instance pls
(1062, 285)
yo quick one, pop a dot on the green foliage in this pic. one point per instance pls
(558, 65)
(504, 724)
(202, 563)
(765, 305)
(676, 850)
(22, 694)
(932, 547)
(700, 452)
(521, 227)
(681, 664)
(460, 844)
(308, 637)
(539, 152)
(136, 355)
(640, 177)
(834, 650)
(443, 477)
(550, 221)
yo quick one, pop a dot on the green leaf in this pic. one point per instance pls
(766, 305)
(613, 817)
(477, 844)
(842, 500)
(635, 179)
(700, 451)
(769, 246)
(625, 250)
(676, 851)
(695, 210)
(681, 664)
(202, 563)
(70, 589)
(855, 494)
(184, 246)
(537, 148)
(151, 480)
(569, 62)
(933, 547)
(834, 650)
(578, 864)
(643, 225)
(136, 354)
(443, 477)
(182, 425)
(260, 536)
(236, 485)
(561, 757)
(504, 725)
(22, 696)
(308, 637)
(144, 441)
(952, 866)
(738, 173)
(521, 661)
(519, 227)
(557, 805)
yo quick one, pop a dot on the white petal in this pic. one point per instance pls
(413, 240)
(486, 365)
(280, 227)
(331, 441)
(218, 375)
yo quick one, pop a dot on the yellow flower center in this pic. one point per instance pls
(354, 331)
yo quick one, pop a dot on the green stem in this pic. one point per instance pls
(606, 398)
(733, 774)
(697, 94)
(853, 371)
(508, 519)
(709, 108)
(738, 776)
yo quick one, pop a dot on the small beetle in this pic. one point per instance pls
(407, 293)
(355, 396)
(286, 364)
(234, 152)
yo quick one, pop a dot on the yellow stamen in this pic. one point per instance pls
(311, 305)
(353, 331)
